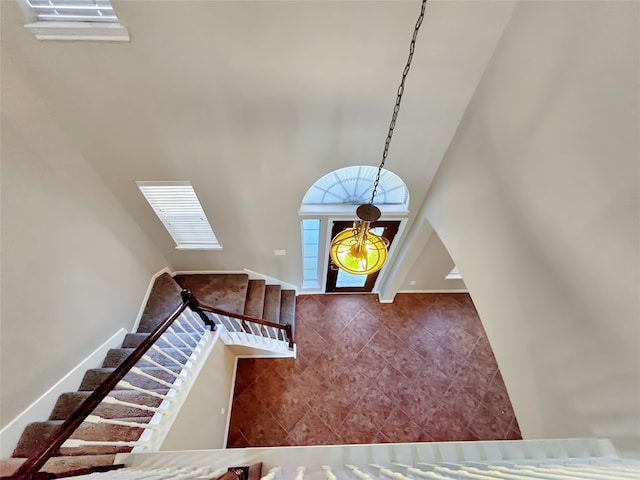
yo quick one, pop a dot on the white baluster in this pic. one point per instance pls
(168, 342)
(359, 473)
(97, 419)
(115, 401)
(195, 321)
(590, 471)
(162, 367)
(299, 473)
(272, 474)
(142, 373)
(178, 323)
(328, 473)
(186, 344)
(146, 392)
(557, 472)
(461, 473)
(390, 473)
(166, 355)
(426, 474)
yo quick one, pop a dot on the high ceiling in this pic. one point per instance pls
(254, 101)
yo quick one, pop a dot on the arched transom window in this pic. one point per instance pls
(353, 186)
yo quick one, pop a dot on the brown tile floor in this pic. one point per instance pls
(420, 369)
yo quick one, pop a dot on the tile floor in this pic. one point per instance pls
(420, 369)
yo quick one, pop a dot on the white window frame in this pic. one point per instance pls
(93, 31)
(181, 244)
(454, 274)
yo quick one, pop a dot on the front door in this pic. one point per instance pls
(341, 281)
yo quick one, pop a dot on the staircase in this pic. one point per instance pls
(126, 418)
(253, 298)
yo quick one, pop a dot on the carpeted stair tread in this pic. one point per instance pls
(164, 299)
(116, 356)
(272, 303)
(254, 306)
(35, 434)
(132, 340)
(58, 464)
(95, 376)
(68, 402)
(287, 307)
(227, 291)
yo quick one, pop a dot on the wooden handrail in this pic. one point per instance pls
(46, 451)
(285, 328)
(240, 316)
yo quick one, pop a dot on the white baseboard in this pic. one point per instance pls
(230, 406)
(286, 285)
(252, 276)
(206, 272)
(451, 290)
(42, 407)
(444, 290)
(146, 297)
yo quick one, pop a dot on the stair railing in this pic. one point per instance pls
(238, 323)
(29, 469)
(233, 322)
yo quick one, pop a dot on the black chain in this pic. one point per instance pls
(396, 108)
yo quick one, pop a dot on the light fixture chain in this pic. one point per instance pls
(396, 108)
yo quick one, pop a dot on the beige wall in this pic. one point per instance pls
(75, 266)
(431, 267)
(254, 101)
(200, 423)
(537, 201)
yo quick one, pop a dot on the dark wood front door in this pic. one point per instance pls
(341, 281)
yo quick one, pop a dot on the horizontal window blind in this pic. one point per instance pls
(178, 208)
(73, 10)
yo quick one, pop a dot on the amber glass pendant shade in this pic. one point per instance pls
(358, 251)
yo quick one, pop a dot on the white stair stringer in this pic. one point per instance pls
(565, 459)
(166, 413)
(259, 343)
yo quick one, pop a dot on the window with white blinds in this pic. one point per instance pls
(73, 10)
(178, 208)
(74, 20)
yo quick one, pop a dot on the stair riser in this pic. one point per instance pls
(93, 378)
(117, 356)
(254, 305)
(288, 307)
(68, 402)
(132, 340)
(272, 303)
(37, 434)
(58, 464)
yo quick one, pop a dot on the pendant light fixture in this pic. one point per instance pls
(358, 250)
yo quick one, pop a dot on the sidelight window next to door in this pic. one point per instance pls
(310, 252)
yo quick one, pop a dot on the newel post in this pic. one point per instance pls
(194, 305)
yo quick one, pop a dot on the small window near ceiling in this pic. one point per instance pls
(178, 208)
(454, 274)
(310, 249)
(73, 20)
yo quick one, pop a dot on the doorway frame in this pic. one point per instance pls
(403, 219)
